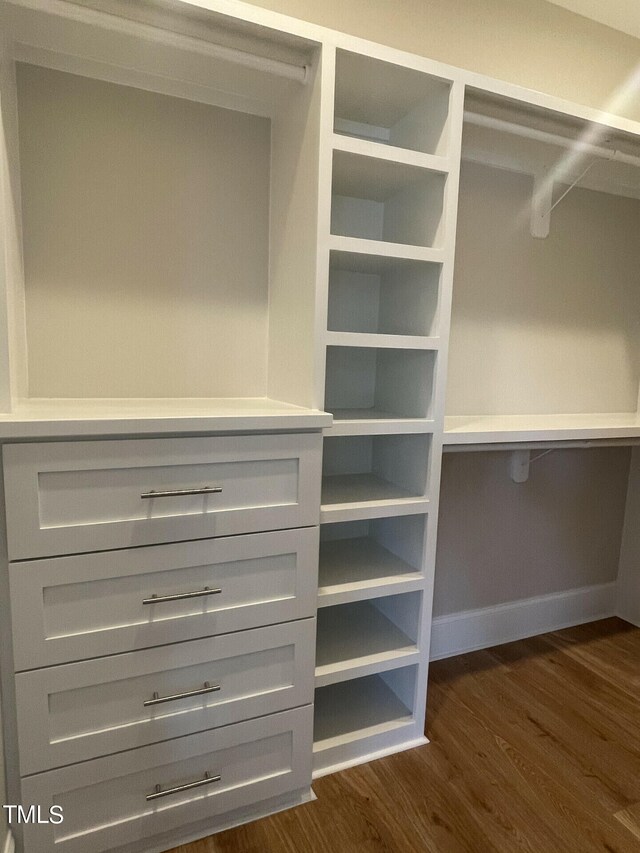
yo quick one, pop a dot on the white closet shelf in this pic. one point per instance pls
(45, 418)
(357, 639)
(488, 429)
(375, 178)
(352, 710)
(383, 252)
(382, 341)
(376, 422)
(348, 497)
(389, 153)
(361, 568)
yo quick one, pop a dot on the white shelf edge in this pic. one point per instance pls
(363, 591)
(361, 510)
(380, 426)
(391, 153)
(369, 751)
(486, 429)
(50, 417)
(381, 341)
(401, 251)
(366, 665)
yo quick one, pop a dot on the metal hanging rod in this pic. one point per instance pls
(148, 32)
(576, 145)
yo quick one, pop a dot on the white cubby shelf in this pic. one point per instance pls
(364, 637)
(378, 384)
(365, 476)
(395, 299)
(391, 104)
(374, 557)
(372, 714)
(379, 199)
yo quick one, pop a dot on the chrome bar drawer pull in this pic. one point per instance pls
(208, 780)
(181, 596)
(201, 691)
(179, 493)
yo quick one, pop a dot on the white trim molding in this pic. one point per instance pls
(470, 630)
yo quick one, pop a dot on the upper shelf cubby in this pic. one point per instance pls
(382, 295)
(391, 104)
(159, 188)
(381, 200)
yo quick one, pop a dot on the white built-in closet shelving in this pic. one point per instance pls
(544, 346)
(318, 277)
(393, 154)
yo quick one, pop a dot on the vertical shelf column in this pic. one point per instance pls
(390, 151)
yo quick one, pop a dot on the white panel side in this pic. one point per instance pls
(628, 586)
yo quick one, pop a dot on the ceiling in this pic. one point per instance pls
(622, 15)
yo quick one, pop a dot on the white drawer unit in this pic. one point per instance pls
(70, 497)
(83, 710)
(138, 794)
(88, 605)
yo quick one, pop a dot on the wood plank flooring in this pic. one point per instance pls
(535, 746)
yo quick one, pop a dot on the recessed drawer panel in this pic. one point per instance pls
(83, 710)
(105, 803)
(68, 497)
(71, 608)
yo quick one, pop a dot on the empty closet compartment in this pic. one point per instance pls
(390, 104)
(382, 470)
(375, 383)
(365, 636)
(382, 295)
(347, 712)
(546, 304)
(157, 262)
(361, 558)
(515, 559)
(383, 200)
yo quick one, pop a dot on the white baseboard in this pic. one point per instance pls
(9, 844)
(470, 630)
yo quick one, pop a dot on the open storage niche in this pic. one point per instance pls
(378, 706)
(390, 104)
(365, 636)
(544, 332)
(376, 470)
(379, 555)
(167, 222)
(383, 295)
(382, 200)
(369, 383)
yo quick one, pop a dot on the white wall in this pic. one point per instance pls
(501, 541)
(160, 288)
(529, 42)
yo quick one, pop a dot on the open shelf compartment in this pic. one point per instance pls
(544, 329)
(390, 104)
(362, 637)
(360, 559)
(370, 294)
(359, 718)
(129, 198)
(365, 383)
(386, 201)
(362, 474)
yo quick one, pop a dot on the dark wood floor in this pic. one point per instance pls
(535, 746)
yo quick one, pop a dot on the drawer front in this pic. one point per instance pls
(72, 608)
(70, 497)
(105, 804)
(83, 710)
